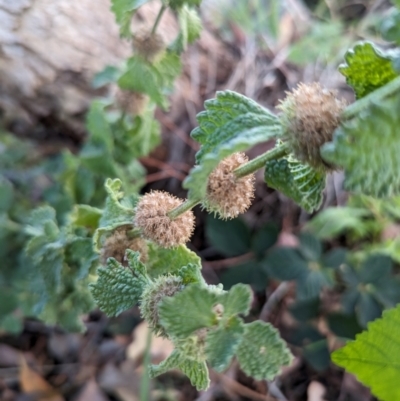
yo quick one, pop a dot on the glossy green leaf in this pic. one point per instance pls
(373, 356)
(367, 148)
(367, 68)
(117, 289)
(222, 343)
(123, 10)
(262, 353)
(297, 181)
(231, 123)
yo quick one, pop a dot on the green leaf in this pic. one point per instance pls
(262, 353)
(264, 239)
(198, 311)
(6, 194)
(142, 77)
(190, 28)
(176, 4)
(86, 216)
(123, 10)
(231, 123)
(170, 261)
(118, 211)
(367, 68)
(237, 301)
(367, 148)
(345, 326)
(334, 221)
(117, 289)
(390, 27)
(311, 284)
(196, 371)
(222, 343)
(373, 356)
(230, 237)
(110, 74)
(285, 263)
(310, 246)
(297, 181)
(152, 79)
(317, 355)
(191, 274)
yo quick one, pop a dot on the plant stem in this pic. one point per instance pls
(376, 96)
(184, 207)
(259, 162)
(145, 379)
(158, 19)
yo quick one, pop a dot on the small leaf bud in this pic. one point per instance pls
(149, 45)
(161, 287)
(227, 195)
(310, 115)
(152, 218)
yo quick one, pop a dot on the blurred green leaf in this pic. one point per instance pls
(264, 238)
(230, 237)
(317, 355)
(310, 246)
(345, 326)
(124, 10)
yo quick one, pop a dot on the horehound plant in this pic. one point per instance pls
(141, 240)
(315, 133)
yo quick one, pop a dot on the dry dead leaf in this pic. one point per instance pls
(91, 392)
(316, 391)
(32, 383)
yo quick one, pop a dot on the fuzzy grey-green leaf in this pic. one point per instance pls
(262, 353)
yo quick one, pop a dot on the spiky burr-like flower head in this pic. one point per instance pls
(131, 102)
(161, 287)
(227, 195)
(152, 218)
(310, 115)
(149, 45)
(118, 242)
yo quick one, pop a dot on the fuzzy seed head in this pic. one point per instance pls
(116, 245)
(310, 115)
(151, 217)
(161, 287)
(133, 103)
(149, 45)
(228, 196)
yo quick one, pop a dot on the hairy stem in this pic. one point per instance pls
(158, 19)
(184, 207)
(259, 162)
(376, 96)
(145, 379)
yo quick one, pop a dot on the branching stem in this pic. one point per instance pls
(242, 171)
(374, 97)
(259, 162)
(184, 207)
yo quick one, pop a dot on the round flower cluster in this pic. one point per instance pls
(118, 242)
(227, 195)
(152, 218)
(310, 115)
